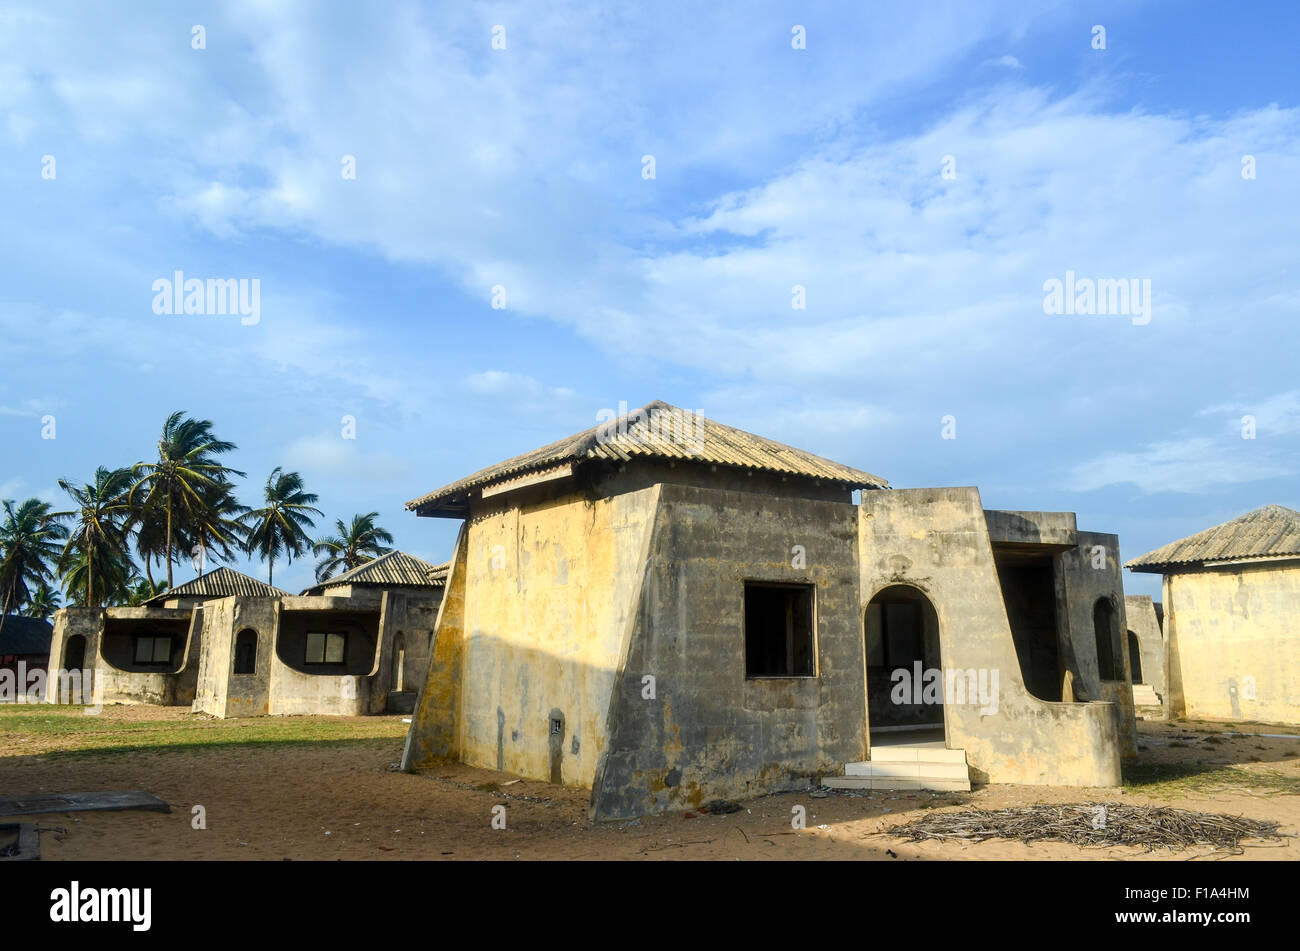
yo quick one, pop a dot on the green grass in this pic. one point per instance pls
(62, 731)
(1171, 780)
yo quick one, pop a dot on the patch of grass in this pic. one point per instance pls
(1171, 780)
(63, 731)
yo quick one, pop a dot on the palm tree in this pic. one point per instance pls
(139, 590)
(351, 547)
(111, 573)
(29, 546)
(216, 525)
(98, 543)
(281, 527)
(147, 523)
(44, 602)
(181, 482)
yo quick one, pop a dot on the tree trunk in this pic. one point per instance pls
(169, 540)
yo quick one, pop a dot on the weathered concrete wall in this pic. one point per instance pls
(549, 589)
(937, 540)
(710, 732)
(1093, 572)
(109, 653)
(1140, 613)
(221, 692)
(69, 623)
(435, 724)
(1233, 649)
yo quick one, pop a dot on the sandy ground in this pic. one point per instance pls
(317, 801)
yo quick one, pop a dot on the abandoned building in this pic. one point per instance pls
(24, 640)
(231, 646)
(1231, 595)
(1146, 650)
(667, 610)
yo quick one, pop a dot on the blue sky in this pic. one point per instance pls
(774, 167)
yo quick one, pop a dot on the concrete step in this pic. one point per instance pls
(906, 767)
(875, 783)
(917, 770)
(1144, 695)
(915, 754)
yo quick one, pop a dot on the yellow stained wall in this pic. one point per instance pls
(535, 619)
(1237, 647)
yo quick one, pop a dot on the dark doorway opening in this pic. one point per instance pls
(1135, 657)
(1028, 585)
(246, 652)
(1103, 626)
(905, 680)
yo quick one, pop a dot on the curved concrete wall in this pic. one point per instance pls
(937, 541)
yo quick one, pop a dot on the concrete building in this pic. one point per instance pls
(1146, 650)
(668, 610)
(231, 646)
(1231, 596)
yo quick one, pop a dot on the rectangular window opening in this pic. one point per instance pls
(325, 647)
(153, 650)
(780, 640)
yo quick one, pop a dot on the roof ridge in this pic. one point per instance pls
(1276, 533)
(689, 436)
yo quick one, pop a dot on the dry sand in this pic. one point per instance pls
(319, 801)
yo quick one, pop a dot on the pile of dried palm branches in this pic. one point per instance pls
(1102, 823)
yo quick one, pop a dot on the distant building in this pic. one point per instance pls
(1231, 601)
(230, 645)
(25, 639)
(667, 610)
(1146, 649)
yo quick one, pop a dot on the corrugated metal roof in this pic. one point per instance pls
(396, 569)
(25, 636)
(1269, 532)
(662, 431)
(219, 583)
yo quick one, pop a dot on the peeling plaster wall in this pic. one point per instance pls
(1232, 629)
(709, 732)
(937, 540)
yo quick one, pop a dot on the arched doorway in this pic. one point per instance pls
(246, 652)
(1103, 627)
(74, 659)
(1135, 657)
(399, 662)
(905, 681)
(74, 653)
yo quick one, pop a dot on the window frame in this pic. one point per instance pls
(342, 637)
(153, 640)
(814, 645)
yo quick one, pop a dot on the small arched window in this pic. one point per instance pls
(246, 652)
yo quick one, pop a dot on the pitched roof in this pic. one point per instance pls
(660, 430)
(396, 569)
(25, 635)
(1269, 532)
(219, 583)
